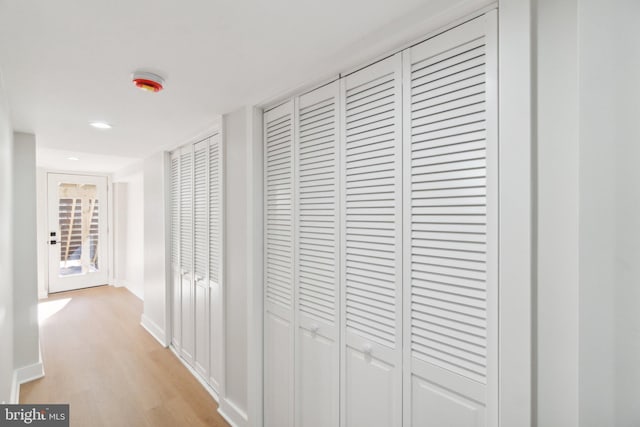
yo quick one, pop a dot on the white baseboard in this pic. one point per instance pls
(156, 331)
(14, 398)
(206, 386)
(119, 283)
(24, 375)
(43, 295)
(227, 410)
(234, 415)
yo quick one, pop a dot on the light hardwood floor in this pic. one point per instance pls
(100, 360)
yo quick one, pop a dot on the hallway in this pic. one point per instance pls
(109, 369)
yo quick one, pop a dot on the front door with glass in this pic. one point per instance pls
(77, 211)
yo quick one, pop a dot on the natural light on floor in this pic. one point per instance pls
(47, 309)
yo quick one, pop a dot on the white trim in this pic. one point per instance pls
(24, 375)
(119, 283)
(222, 161)
(515, 86)
(198, 137)
(111, 242)
(493, 218)
(255, 290)
(388, 43)
(45, 218)
(14, 397)
(232, 414)
(515, 180)
(207, 132)
(226, 408)
(168, 271)
(203, 383)
(156, 331)
(341, 105)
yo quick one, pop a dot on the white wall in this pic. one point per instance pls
(609, 213)
(237, 251)
(26, 350)
(588, 213)
(626, 137)
(128, 213)
(6, 284)
(156, 278)
(42, 231)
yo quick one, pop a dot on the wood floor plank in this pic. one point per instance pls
(100, 360)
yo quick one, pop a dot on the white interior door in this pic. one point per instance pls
(187, 320)
(77, 217)
(372, 245)
(317, 278)
(201, 256)
(216, 275)
(176, 285)
(279, 267)
(451, 255)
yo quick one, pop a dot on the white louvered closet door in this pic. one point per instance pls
(317, 273)
(176, 308)
(372, 245)
(201, 256)
(451, 227)
(279, 267)
(216, 294)
(186, 254)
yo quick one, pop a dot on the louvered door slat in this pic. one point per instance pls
(314, 171)
(279, 208)
(186, 255)
(186, 211)
(372, 243)
(215, 208)
(317, 263)
(176, 310)
(279, 266)
(201, 205)
(450, 161)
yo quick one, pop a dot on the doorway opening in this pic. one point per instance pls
(77, 224)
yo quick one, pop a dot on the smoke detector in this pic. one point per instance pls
(146, 81)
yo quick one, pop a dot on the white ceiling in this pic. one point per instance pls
(66, 63)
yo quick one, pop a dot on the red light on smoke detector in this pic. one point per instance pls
(148, 81)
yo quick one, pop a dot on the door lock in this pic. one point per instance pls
(53, 242)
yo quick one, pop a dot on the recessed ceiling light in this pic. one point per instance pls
(101, 125)
(72, 158)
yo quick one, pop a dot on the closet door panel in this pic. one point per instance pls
(279, 266)
(176, 302)
(278, 371)
(317, 266)
(201, 305)
(187, 320)
(371, 391)
(215, 261)
(318, 396)
(450, 222)
(201, 256)
(437, 406)
(372, 244)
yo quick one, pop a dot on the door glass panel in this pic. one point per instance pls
(78, 221)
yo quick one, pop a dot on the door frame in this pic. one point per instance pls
(517, 263)
(43, 224)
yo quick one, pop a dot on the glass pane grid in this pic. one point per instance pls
(78, 218)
